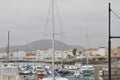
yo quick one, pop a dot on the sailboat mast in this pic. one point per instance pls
(87, 58)
(53, 42)
(8, 47)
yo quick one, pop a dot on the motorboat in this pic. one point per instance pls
(87, 69)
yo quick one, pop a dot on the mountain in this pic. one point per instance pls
(42, 45)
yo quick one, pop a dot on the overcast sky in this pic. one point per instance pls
(84, 22)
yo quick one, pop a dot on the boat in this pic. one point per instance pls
(34, 70)
(41, 73)
(5, 72)
(9, 71)
(26, 69)
(56, 78)
(84, 73)
(87, 70)
(53, 76)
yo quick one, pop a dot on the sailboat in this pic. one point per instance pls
(85, 71)
(7, 68)
(52, 77)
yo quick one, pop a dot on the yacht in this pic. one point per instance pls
(53, 76)
(5, 72)
(87, 69)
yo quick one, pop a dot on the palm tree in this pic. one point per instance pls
(74, 51)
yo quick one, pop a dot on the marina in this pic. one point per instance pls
(31, 71)
(26, 72)
(52, 59)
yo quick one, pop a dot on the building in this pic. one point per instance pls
(101, 51)
(40, 54)
(3, 55)
(30, 56)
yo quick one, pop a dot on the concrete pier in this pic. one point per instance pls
(115, 72)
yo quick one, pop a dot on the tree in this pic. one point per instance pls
(11, 54)
(80, 52)
(68, 56)
(3, 57)
(74, 51)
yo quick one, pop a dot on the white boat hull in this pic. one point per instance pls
(56, 78)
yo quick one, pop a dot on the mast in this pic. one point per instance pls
(53, 42)
(87, 58)
(8, 46)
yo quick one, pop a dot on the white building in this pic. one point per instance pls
(49, 53)
(67, 53)
(58, 54)
(21, 55)
(40, 54)
(3, 55)
(101, 51)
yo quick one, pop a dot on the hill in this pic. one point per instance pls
(42, 45)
